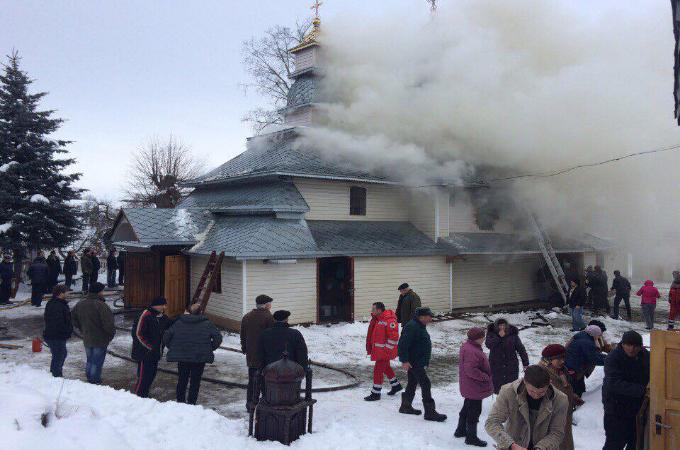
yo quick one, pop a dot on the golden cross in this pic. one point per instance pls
(316, 6)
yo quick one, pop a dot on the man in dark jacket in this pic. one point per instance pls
(58, 328)
(279, 338)
(505, 345)
(121, 267)
(96, 266)
(54, 266)
(252, 326)
(70, 268)
(621, 289)
(6, 274)
(415, 349)
(147, 340)
(582, 353)
(626, 375)
(93, 317)
(86, 269)
(39, 274)
(407, 304)
(576, 300)
(598, 289)
(191, 341)
(111, 267)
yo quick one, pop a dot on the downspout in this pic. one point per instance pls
(451, 286)
(244, 276)
(436, 215)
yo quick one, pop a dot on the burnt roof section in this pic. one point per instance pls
(500, 243)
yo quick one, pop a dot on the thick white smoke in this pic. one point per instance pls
(524, 86)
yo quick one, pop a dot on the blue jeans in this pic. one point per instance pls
(95, 361)
(58, 350)
(577, 322)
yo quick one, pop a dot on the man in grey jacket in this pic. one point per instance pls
(528, 413)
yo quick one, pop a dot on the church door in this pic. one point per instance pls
(335, 286)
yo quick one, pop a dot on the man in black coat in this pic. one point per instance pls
(70, 268)
(279, 338)
(147, 340)
(6, 274)
(621, 288)
(111, 267)
(39, 274)
(121, 267)
(58, 328)
(191, 341)
(96, 265)
(407, 304)
(626, 376)
(54, 266)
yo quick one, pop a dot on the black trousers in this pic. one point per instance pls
(189, 373)
(617, 301)
(471, 411)
(146, 372)
(121, 276)
(619, 432)
(252, 395)
(5, 291)
(418, 376)
(86, 282)
(37, 291)
(68, 280)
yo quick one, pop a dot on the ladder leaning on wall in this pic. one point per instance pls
(210, 275)
(545, 245)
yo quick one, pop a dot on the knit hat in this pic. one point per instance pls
(158, 301)
(632, 338)
(402, 286)
(475, 333)
(263, 299)
(599, 323)
(96, 288)
(281, 315)
(553, 351)
(424, 311)
(593, 330)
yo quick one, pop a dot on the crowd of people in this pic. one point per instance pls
(533, 406)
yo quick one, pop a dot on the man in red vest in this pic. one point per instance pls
(674, 300)
(381, 344)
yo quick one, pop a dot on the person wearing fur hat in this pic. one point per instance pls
(552, 359)
(505, 345)
(582, 353)
(147, 338)
(474, 379)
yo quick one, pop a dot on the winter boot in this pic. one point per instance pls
(431, 413)
(373, 397)
(406, 407)
(471, 435)
(395, 388)
(460, 430)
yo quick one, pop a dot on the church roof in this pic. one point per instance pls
(502, 243)
(157, 226)
(303, 91)
(311, 38)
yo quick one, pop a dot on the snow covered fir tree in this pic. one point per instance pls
(36, 187)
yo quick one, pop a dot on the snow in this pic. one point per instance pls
(39, 198)
(5, 226)
(5, 167)
(99, 417)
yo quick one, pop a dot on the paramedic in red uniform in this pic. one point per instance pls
(381, 344)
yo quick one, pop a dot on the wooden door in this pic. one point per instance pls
(664, 392)
(175, 286)
(142, 279)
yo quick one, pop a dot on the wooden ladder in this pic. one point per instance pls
(210, 273)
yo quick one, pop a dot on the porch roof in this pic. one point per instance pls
(501, 243)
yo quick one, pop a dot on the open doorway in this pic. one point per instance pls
(335, 285)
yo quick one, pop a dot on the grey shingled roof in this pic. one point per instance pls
(154, 226)
(277, 154)
(303, 91)
(498, 243)
(266, 195)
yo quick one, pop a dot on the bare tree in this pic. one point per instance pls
(157, 171)
(98, 216)
(270, 65)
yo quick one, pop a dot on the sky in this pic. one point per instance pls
(123, 72)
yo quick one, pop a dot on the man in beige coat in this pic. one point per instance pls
(529, 413)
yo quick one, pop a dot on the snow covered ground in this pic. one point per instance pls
(96, 417)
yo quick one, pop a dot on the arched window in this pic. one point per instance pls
(357, 201)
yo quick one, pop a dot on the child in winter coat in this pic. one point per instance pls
(474, 375)
(648, 294)
(674, 300)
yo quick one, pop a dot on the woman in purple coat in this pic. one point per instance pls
(474, 377)
(504, 344)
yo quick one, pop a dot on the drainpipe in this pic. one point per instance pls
(244, 276)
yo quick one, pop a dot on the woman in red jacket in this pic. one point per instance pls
(648, 294)
(381, 344)
(674, 300)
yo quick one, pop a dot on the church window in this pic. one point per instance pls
(357, 201)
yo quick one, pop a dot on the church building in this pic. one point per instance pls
(325, 240)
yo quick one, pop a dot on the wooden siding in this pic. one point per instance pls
(487, 280)
(329, 200)
(142, 278)
(300, 117)
(421, 209)
(292, 286)
(175, 284)
(306, 58)
(228, 304)
(377, 279)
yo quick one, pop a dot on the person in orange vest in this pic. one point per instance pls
(674, 300)
(381, 344)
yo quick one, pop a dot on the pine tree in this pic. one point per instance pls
(36, 192)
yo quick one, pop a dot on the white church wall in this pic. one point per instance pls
(422, 213)
(462, 216)
(227, 305)
(329, 200)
